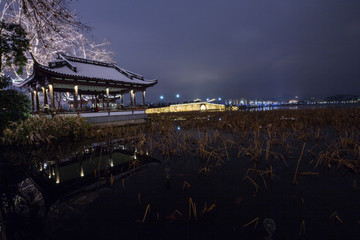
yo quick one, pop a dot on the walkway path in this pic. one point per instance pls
(103, 114)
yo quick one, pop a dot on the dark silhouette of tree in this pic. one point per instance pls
(13, 45)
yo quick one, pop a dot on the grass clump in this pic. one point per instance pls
(36, 130)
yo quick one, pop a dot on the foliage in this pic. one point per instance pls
(5, 82)
(13, 45)
(14, 106)
(44, 130)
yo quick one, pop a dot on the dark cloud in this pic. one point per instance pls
(247, 48)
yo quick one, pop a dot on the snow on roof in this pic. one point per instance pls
(71, 66)
(80, 67)
(132, 74)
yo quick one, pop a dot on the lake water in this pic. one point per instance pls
(186, 197)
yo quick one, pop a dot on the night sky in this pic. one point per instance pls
(233, 48)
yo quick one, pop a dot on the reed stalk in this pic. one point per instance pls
(192, 209)
(255, 220)
(298, 163)
(302, 228)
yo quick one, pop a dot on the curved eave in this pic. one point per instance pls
(151, 82)
(24, 82)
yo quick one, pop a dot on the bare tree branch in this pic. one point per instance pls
(53, 27)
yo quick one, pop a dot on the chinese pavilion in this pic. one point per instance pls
(82, 77)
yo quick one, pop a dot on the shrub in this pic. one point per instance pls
(14, 106)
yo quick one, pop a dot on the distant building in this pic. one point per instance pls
(243, 102)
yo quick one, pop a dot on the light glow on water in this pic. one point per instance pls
(81, 172)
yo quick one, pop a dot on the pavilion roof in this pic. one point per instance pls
(69, 66)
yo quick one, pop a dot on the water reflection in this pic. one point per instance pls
(96, 166)
(268, 108)
(63, 176)
(299, 106)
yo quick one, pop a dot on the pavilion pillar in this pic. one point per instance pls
(115, 101)
(58, 100)
(143, 97)
(32, 101)
(45, 96)
(76, 91)
(131, 98)
(107, 98)
(121, 99)
(36, 93)
(96, 101)
(134, 96)
(52, 99)
(81, 106)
